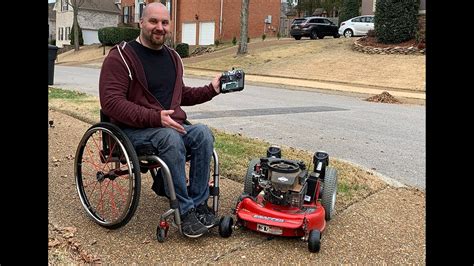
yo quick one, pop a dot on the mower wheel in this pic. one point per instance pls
(328, 199)
(249, 187)
(225, 226)
(314, 241)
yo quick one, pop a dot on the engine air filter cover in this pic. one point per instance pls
(283, 174)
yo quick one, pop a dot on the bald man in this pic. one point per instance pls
(142, 90)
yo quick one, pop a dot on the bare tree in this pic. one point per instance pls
(291, 3)
(75, 4)
(307, 7)
(244, 25)
(331, 6)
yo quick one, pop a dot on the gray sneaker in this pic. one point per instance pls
(191, 226)
(206, 215)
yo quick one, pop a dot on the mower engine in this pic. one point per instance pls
(283, 181)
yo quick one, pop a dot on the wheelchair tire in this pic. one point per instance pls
(107, 175)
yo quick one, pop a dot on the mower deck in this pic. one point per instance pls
(269, 218)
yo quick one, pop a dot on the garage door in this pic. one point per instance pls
(90, 36)
(206, 33)
(189, 33)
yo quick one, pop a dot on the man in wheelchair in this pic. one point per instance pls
(141, 90)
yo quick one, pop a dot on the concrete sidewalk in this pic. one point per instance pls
(387, 227)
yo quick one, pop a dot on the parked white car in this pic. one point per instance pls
(357, 26)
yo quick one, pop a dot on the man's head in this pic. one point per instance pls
(154, 25)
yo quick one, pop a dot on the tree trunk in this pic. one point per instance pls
(76, 31)
(75, 4)
(244, 22)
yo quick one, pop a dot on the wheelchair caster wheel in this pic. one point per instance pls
(225, 226)
(162, 231)
(160, 234)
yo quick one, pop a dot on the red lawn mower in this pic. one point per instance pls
(282, 198)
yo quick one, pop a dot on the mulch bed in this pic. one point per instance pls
(372, 41)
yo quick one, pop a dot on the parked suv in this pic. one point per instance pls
(357, 26)
(313, 27)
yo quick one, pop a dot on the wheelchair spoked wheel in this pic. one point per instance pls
(107, 175)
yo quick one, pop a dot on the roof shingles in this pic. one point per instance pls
(101, 5)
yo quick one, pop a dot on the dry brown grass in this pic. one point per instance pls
(85, 108)
(86, 54)
(328, 59)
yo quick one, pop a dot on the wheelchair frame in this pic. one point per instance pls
(115, 160)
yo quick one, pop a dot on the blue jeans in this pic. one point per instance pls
(171, 147)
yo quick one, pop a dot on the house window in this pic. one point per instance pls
(64, 5)
(126, 14)
(167, 3)
(60, 34)
(141, 5)
(373, 5)
(68, 32)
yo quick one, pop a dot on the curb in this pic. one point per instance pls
(388, 180)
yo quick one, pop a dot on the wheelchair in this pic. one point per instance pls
(108, 179)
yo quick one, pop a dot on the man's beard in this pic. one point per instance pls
(157, 42)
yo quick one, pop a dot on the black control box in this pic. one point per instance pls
(232, 80)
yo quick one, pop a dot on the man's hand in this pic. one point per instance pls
(167, 121)
(216, 83)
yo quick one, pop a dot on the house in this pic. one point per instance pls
(51, 22)
(198, 22)
(92, 15)
(368, 7)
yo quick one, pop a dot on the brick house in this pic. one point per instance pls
(368, 7)
(198, 22)
(92, 15)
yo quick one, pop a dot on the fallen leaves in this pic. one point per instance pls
(384, 97)
(63, 238)
(53, 243)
